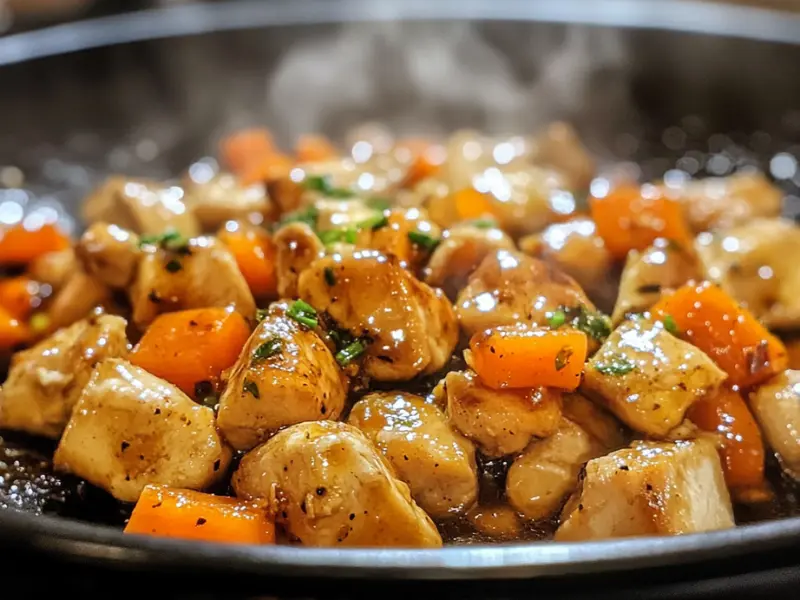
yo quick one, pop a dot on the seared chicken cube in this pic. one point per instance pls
(649, 378)
(54, 268)
(411, 327)
(461, 250)
(329, 486)
(297, 246)
(500, 422)
(437, 463)
(222, 198)
(595, 420)
(649, 489)
(145, 207)
(130, 429)
(498, 522)
(285, 375)
(776, 407)
(647, 275)
(110, 254)
(45, 381)
(201, 273)
(79, 297)
(560, 148)
(510, 288)
(755, 263)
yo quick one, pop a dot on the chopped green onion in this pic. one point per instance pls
(322, 184)
(593, 323)
(169, 240)
(330, 276)
(615, 365)
(557, 319)
(670, 325)
(374, 223)
(268, 349)
(350, 352)
(303, 313)
(380, 204)
(333, 236)
(308, 216)
(562, 358)
(423, 240)
(250, 387)
(484, 223)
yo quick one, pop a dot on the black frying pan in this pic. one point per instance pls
(693, 85)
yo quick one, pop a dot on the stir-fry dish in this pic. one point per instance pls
(406, 342)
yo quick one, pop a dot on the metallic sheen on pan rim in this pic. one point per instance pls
(110, 546)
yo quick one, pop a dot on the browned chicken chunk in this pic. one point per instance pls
(297, 247)
(776, 407)
(110, 254)
(222, 198)
(78, 298)
(54, 268)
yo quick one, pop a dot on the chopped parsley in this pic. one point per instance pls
(614, 365)
(557, 319)
(348, 235)
(267, 350)
(484, 223)
(374, 223)
(173, 266)
(322, 184)
(261, 314)
(303, 313)
(423, 240)
(250, 387)
(168, 240)
(350, 352)
(308, 216)
(562, 358)
(593, 323)
(670, 325)
(330, 276)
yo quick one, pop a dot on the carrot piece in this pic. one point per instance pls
(628, 219)
(710, 319)
(13, 331)
(471, 204)
(19, 245)
(192, 347)
(314, 148)
(255, 254)
(267, 168)
(425, 160)
(517, 357)
(18, 295)
(177, 513)
(243, 148)
(742, 451)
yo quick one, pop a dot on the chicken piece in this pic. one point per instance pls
(109, 254)
(329, 486)
(666, 488)
(722, 202)
(81, 295)
(576, 249)
(793, 350)
(411, 327)
(201, 274)
(145, 207)
(130, 429)
(437, 463)
(647, 275)
(496, 522)
(461, 250)
(45, 381)
(541, 478)
(510, 288)
(595, 420)
(649, 378)
(297, 246)
(755, 263)
(560, 148)
(54, 268)
(776, 407)
(500, 422)
(222, 198)
(299, 382)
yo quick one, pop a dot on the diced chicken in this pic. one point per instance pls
(755, 263)
(109, 254)
(299, 382)
(81, 295)
(297, 247)
(145, 207)
(497, 522)
(45, 381)
(576, 249)
(329, 486)
(560, 148)
(130, 429)
(411, 327)
(647, 275)
(437, 463)
(460, 252)
(596, 421)
(222, 198)
(649, 378)
(721, 202)
(201, 274)
(54, 268)
(776, 407)
(509, 288)
(500, 422)
(649, 489)
(547, 471)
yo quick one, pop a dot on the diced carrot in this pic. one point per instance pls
(191, 347)
(710, 319)
(471, 204)
(18, 296)
(525, 357)
(742, 451)
(255, 254)
(19, 245)
(426, 159)
(243, 148)
(268, 168)
(176, 513)
(314, 148)
(13, 332)
(631, 218)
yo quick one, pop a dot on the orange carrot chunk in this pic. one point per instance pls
(255, 254)
(19, 245)
(631, 218)
(314, 148)
(471, 204)
(191, 348)
(13, 331)
(516, 357)
(742, 451)
(18, 295)
(176, 513)
(710, 319)
(267, 168)
(242, 149)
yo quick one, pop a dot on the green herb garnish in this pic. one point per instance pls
(484, 223)
(557, 319)
(340, 337)
(261, 314)
(615, 365)
(670, 325)
(303, 313)
(330, 276)
(333, 236)
(423, 240)
(250, 387)
(374, 223)
(594, 324)
(350, 352)
(173, 266)
(308, 216)
(562, 358)
(322, 184)
(267, 350)
(380, 204)
(169, 240)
